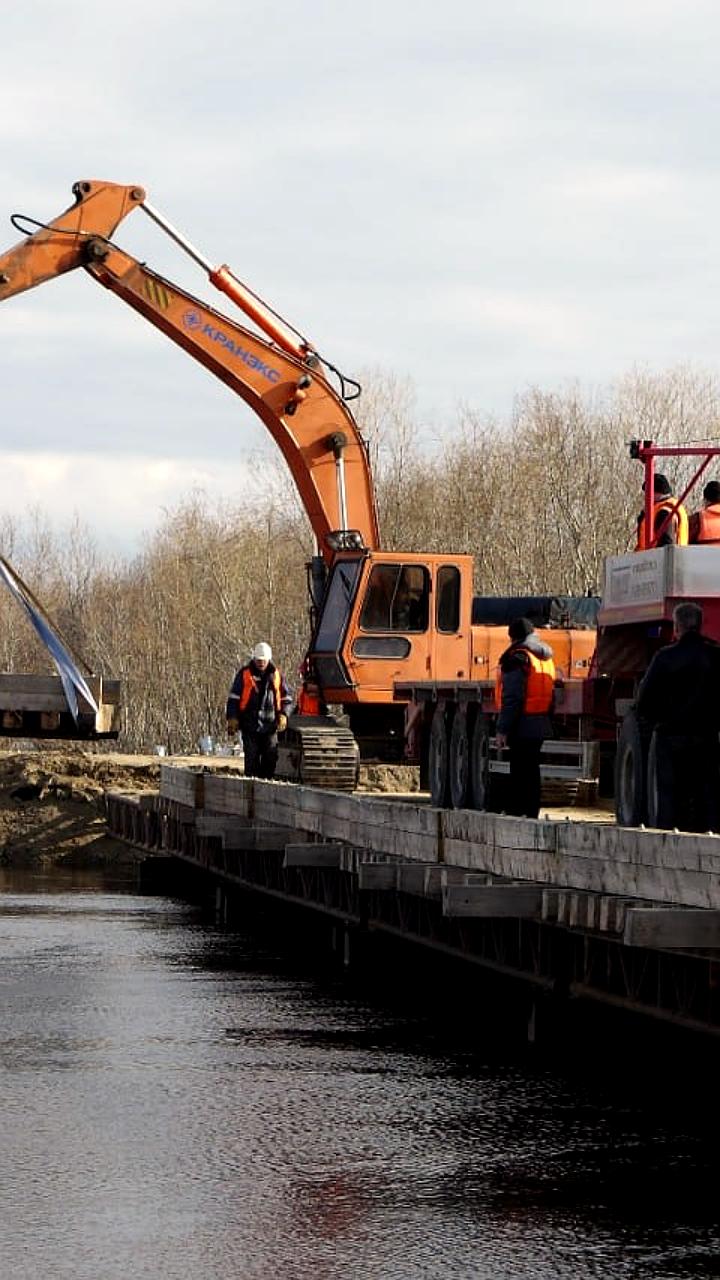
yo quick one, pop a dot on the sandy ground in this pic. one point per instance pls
(51, 805)
(51, 801)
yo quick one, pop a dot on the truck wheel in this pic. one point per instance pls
(439, 759)
(460, 760)
(652, 784)
(631, 773)
(480, 764)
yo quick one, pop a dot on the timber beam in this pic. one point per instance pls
(493, 901)
(314, 855)
(672, 928)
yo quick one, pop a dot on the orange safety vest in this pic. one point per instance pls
(308, 704)
(681, 522)
(709, 524)
(539, 687)
(251, 685)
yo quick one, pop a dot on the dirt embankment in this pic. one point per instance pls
(51, 805)
(52, 809)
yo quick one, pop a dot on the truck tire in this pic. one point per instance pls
(652, 784)
(459, 768)
(480, 764)
(438, 759)
(631, 773)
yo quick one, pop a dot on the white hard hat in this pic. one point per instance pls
(262, 651)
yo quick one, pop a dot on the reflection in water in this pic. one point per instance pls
(178, 1103)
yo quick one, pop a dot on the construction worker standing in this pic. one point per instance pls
(676, 528)
(524, 694)
(258, 706)
(705, 524)
(679, 697)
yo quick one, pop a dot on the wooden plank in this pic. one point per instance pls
(35, 701)
(22, 683)
(549, 906)
(611, 914)
(44, 693)
(596, 875)
(184, 786)
(492, 829)
(417, 879)
(412, 878)
(227, 794)
(376, 876)
(672, 929)
(313, 855)
(219, 824)
(493, 902)
(639, 845)
(258, 838)
(369, 822)
(274, 802)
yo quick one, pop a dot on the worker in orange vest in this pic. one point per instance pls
(524, 694)
(676, 530)
(258, 705)
(705, 524)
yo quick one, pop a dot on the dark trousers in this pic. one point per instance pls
(524, 797)
(261, 754)
(687, 772)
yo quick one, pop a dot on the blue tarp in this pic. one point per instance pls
(72, 679)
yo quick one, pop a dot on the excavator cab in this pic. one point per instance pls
(385, 617)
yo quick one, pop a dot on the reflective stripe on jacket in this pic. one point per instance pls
(539, 685)
(679, 523)
(708, 524)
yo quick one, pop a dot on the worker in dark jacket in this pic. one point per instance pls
(524, 694)
(258, 706)
(705, 524)
(679, 697)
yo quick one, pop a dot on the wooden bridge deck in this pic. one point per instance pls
(624, 916)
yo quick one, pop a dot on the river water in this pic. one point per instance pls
(180, 1103)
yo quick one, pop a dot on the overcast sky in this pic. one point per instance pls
(479, 196)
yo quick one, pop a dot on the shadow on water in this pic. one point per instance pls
(390, 1122)
(59, 880)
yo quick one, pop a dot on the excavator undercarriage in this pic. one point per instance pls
(319, 751)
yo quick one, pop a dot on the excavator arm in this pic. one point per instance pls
(281, 379)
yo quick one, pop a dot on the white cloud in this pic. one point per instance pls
(119, 497)
(607, 184)
(545, 322)
(475, 195)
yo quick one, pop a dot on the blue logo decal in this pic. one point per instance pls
(193, 320)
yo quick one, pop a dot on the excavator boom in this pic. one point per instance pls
(281, 380)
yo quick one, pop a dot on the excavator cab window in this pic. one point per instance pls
(336, 606)
(448, 598)
(396, 599)
(334, 616)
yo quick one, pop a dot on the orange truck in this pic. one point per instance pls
(399, 643)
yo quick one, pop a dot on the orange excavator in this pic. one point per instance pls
(378, 618)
